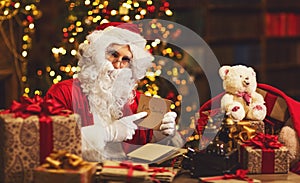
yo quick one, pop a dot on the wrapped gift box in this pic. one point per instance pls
(63, 167)
(246, 129)
(162, 174)
(263, 160)
(258, 126)
(124, 171)
(128, 171)
(25, 142)
(83, 175)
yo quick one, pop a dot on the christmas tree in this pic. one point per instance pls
(84, 16)
(168, 78)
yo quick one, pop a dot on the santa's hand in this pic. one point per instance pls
(124, 128)
(167, 126)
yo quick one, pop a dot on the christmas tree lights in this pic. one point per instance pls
(13, 15)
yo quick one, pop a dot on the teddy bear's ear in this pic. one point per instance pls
(223, 71)
(253, 72)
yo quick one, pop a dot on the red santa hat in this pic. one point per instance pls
(128, 26)
(120, 33)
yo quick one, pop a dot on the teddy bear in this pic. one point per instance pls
(241, 101)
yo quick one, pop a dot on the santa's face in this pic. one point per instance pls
(111, 63)
(120, 82)
(119, 55)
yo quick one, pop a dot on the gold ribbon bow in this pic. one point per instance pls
(242, 130)
(63, 160)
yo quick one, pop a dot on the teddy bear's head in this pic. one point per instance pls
(238, 79)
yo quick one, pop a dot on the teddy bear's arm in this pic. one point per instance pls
(257, 98)
(257, 108)
(232, 108)
(226, 100)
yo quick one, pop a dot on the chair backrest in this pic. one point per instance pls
(277, 111)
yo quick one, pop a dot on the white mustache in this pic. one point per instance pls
(123, 83)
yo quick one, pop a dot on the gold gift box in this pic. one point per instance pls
(84, 174)
(244, 130)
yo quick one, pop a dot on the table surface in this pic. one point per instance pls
(278, 178)
(264, 178)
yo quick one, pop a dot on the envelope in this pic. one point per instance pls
(156, 109)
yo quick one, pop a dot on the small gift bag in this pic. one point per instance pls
(263, 154)
(62, 167)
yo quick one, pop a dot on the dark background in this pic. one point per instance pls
(237, 31)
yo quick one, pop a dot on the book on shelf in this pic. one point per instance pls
(282, 24)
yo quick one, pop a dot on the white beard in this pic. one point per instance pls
(111, 93)
(122, 89)
(107, 100)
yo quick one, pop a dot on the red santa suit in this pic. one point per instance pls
(70, 95)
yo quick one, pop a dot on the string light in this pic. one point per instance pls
(85, 16)
(101, 12)
(24, 13)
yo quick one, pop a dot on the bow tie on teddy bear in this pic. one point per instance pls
(246, 96)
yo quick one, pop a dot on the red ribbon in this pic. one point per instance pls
(156, 170)
(130, 166)
(246, 96)
(264, 141)
(240, 174)
(267, 143)
(42, 108)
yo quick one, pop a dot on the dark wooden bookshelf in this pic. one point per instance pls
(264, 34)
(240, 32)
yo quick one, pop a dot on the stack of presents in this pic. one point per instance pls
(41, 142)
(262, 138)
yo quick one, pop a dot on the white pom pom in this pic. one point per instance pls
(289, 138)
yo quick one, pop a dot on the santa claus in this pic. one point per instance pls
(111, 62)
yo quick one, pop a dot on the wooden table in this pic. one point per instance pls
(264, 178)
(277, 178)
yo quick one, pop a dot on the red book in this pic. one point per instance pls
(275, 24)
(268, 25)
(297, 24)
(282, 24)
(291, 24)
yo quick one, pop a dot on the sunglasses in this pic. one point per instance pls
(116, 57)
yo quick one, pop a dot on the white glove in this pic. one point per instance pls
(123, 129)
(167, 126)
